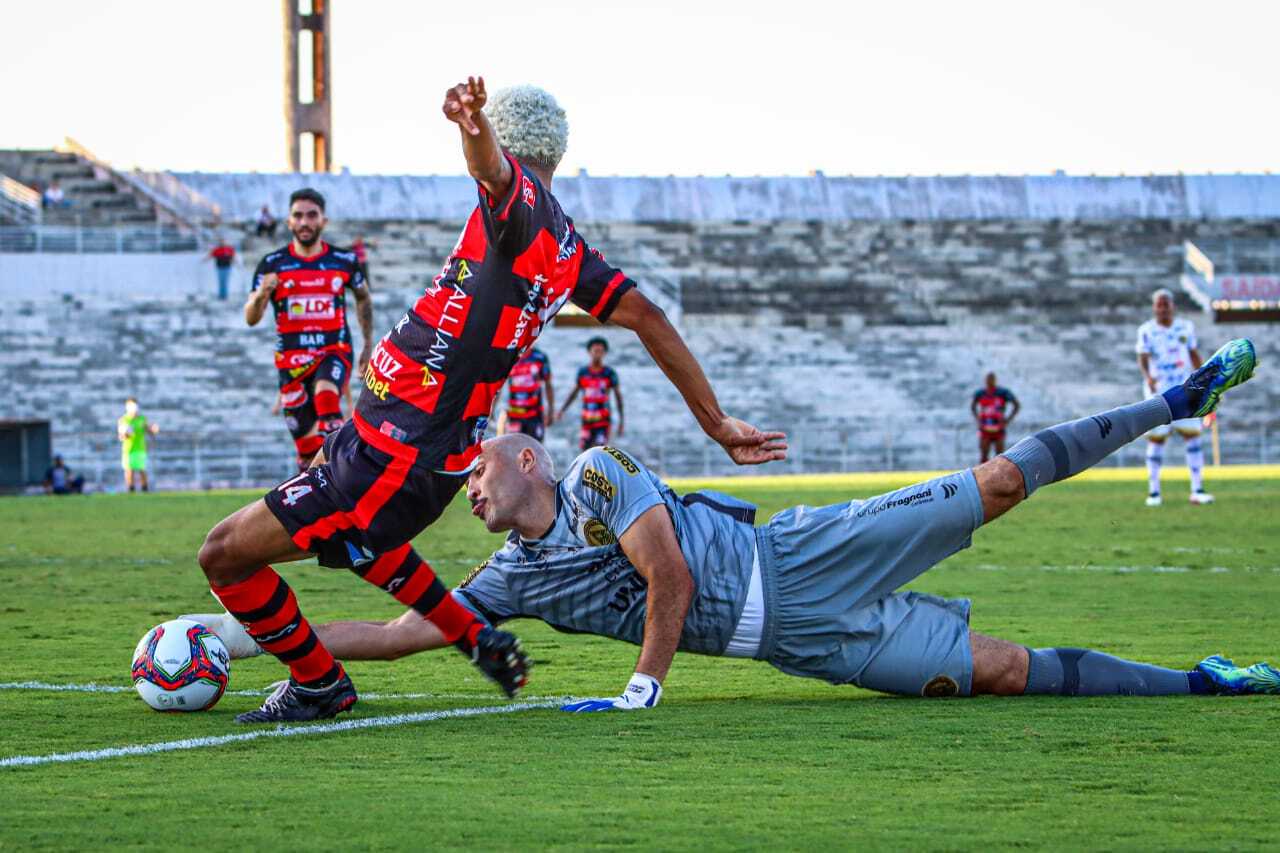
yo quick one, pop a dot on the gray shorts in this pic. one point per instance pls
(830, 574)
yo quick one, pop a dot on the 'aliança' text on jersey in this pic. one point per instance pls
(310, 305)
(1169, 348)
(431, 382)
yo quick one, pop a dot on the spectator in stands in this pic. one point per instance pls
(132, 429)
(223, 255)
(266, 223)
(58, 480)
(54, 196)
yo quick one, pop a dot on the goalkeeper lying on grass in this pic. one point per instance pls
(611, 550)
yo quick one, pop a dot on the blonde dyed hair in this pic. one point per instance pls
(530, 125)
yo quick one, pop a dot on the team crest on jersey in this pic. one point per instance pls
(527, 193)
(597, 534)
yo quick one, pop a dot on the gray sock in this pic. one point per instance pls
(1081, 672)
(1065, 450)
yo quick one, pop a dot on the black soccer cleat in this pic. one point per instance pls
(499, 656)
(293, 703)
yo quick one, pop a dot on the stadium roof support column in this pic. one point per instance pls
(306, 28)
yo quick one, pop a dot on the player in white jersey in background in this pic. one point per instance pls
(1167, 355)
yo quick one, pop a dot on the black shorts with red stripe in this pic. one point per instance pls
(593, 436)
(533, 427)
(362, 502)
(298, 394)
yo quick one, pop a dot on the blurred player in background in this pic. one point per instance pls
(1166, 356)
(595, 381)
(988, 408)
(132, 429)
(391, 470)
(527, 411)
(305, 283)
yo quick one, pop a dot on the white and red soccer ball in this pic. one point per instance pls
(181, 665)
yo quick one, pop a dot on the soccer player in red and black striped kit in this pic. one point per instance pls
(305, 283)
(428, 391)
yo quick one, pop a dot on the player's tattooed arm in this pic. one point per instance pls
(463, 105)
(745, 444)
(256, 305)
(650, 544)
(364, 316)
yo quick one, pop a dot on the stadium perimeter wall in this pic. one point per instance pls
(863, 338)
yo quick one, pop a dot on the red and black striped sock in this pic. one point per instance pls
(412, 582)
(266, 606)
(307, 447)
(327, 406)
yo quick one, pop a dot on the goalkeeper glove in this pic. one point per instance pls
(643, 691)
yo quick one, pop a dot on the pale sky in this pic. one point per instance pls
(657, 87)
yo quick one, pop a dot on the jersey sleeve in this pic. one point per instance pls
(1192, 342)
(613, 487)
(546, 369)
(259, 273)
(1008, 395)
(356, 280)
(600, 286)
(511, 222)
(1143, 347)
(484, 592)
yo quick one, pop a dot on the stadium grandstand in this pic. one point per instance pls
(858, 314)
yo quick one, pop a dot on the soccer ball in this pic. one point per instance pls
(181, 665)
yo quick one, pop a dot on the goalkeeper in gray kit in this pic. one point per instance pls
(612, 550)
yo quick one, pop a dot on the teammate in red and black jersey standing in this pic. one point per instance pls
(527, 411)
(428, 390)
(596, 380)
(988, 408)
(305, 284)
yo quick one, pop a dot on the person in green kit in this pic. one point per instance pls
(133, 429)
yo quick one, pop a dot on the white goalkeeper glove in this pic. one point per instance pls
(643, 691)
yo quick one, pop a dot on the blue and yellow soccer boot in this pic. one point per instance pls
(1230, 366)
(1228, 678)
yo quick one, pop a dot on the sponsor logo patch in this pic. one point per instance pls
(623, 459)
(317, 307)
(527, 193)
(594, 480)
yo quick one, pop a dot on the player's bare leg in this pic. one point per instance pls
(1155, 460)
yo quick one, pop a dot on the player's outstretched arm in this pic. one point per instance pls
(650, 544)
(464, 105)
(745, 444)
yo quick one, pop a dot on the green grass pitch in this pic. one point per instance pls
(738, 755)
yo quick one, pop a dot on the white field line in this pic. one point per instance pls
(119, 688)
(1125, 570)
(279, 731)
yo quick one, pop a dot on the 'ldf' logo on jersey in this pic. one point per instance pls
(310, 308)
